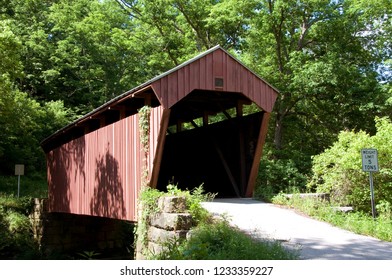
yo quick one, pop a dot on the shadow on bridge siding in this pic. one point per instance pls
(108, 198)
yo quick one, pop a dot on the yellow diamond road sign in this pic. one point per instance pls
(369, 160)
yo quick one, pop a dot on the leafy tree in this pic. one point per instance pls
(179, 29)
(23, 121)
(330, 60)
(338, 169)
(23, 124)
(316, 54)
(78, 51)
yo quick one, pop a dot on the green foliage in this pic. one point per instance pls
(88, 255)
(16, 239)
(194, 199)
(149, 201)
(219, 241)
(306, 49)
(33, 185)
(23, 124)
(62, 58)
(357, 222)
(209, 239)
(338, 170)
(148, 204)
(277, 176)
(144, 126)
(21, 205)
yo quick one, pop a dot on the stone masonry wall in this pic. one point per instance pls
(60, 234)
(171, 222)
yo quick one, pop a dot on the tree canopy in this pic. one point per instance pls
(330, 60)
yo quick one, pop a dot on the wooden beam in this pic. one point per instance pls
(121, 109)
(102, 121)
(179, 126)
(242, 159)
(227, 169)
(227, 115)
(194, 124)
(205, 118)
(257, 156)
(159, 150)
(147, 100)
(240, 108)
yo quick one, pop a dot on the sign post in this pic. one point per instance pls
(370, 164)
(19, 170)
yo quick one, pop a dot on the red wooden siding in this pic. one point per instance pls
(100, 173)
(201, 74)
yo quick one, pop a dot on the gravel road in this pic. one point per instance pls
(314, 239)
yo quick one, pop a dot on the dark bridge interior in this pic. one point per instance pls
(210, 141)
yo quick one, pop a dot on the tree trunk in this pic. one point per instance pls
(278, 136)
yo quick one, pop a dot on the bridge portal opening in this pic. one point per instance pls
(211, 141)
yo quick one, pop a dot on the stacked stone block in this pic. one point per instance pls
(172, 222)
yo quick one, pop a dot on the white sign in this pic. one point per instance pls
(19, 169)
(369, 160)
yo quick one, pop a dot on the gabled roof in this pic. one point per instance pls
(212, 70)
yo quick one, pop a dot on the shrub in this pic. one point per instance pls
(357, 222)
(219, 241)
(16, 238)
(33, 185)
(278, 176)
(149, 198)
(338, 170)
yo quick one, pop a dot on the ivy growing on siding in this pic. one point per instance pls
(144, 126)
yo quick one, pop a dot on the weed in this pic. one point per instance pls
(220, 241)
(32, 186)
(149, 198)
(88, 255)
(357, 222)
(16, 239)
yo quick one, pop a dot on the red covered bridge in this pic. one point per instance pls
(208, 122)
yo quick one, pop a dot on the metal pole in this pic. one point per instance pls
(372, 194)
(18, 185)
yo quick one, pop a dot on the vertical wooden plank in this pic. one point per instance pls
(161, 137)
(172, 88)
(187, 85)
(244, 83)
(257, 94)
(250, 84)
(237, 78)
(194, 75)
(266, 98)
(230, 76)
(258, 153)
(165, 92)
(217, 62)
(242, 160)
(202, 72)
(225, 71)
(181, 83)
(209, 72)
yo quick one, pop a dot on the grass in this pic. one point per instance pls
(34, 185)
(358, 222)
(16, 238)
(220, 241)
(210, 239)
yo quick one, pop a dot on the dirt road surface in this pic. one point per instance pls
(314, 239)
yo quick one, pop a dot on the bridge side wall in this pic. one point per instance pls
(100, 173)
